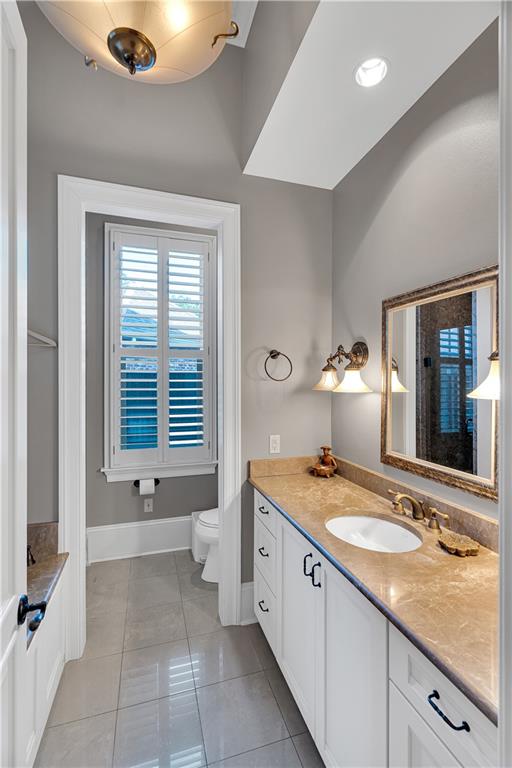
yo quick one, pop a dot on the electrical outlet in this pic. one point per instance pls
(148, 506)
(275, 443)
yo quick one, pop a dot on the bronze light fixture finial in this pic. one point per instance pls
(132, 49)
(235, 31)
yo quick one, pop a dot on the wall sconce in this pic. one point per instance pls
(489, 389)
(396, 384)
(352, 381)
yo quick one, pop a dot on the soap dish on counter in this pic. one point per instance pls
(458, 544)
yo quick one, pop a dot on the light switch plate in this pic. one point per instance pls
(148, 506)
(275, 443)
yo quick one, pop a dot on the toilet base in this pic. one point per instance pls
(211, 567)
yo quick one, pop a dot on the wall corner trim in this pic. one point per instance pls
(146, 537)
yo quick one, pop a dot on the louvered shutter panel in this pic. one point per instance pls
(189, 362)
(162, 366)
(137, 350)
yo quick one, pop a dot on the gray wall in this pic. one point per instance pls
(276, 34)
(420, 207)
(187, 139)
(109, 503)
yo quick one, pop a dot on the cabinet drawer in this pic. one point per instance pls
(265, 512)
(265, 608)
(265, 553)
(417, 678)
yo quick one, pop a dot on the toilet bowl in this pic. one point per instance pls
(206, 531)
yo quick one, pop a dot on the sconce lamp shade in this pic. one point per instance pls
(353, 383)
(179, 33)
(489, 389)
(329, 379)
(396, 384)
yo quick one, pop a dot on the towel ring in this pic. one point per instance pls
(273, 355)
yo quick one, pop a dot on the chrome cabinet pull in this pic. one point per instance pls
(315, 584)
(310, 554)
(262, 552)
(435, 695)
(263, 510)
(261, 604)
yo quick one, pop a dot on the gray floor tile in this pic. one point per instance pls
(166, 733)
(289, 709)
(108, 572)
(202, 615)
(152, 673)
(192, 585)
(88, 687)
(185, 562)
(307, 751)
(282, 754)
(104, 635)
(157, 590)
(103, 598)
(261, 646)
(222, 655)
(239, 715)
(153, 626)
(88, 742)
(152, 565)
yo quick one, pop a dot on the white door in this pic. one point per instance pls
(412, 743)
(298, 587)
(352, 701)
(15, 696)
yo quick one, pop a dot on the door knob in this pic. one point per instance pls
(24, 607)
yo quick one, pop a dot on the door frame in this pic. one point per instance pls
(76, 198)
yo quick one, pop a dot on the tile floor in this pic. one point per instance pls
(161, 683)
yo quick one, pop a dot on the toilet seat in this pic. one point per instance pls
(209, 518)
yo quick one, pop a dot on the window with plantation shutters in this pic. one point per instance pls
(160, 353)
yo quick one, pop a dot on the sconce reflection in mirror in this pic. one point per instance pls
(352, 381)
(396, 384)
(489, 389)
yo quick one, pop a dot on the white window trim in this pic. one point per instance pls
(164, 469)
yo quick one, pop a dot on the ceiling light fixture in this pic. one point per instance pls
(371, 72)
(157, 42)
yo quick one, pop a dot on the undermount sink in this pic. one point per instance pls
(374, 533)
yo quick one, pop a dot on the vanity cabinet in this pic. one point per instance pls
(364, 690)
(299, 612)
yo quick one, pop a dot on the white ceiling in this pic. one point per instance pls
(243, 14)
(322, 123)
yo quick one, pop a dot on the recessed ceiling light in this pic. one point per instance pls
(371, 72)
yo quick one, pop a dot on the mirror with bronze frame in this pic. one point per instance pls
(436, 344)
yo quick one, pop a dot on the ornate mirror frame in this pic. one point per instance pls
(479, 486)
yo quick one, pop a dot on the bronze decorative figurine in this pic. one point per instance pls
(326, 465)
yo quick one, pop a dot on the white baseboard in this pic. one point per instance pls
(247, 615)
(113, 542)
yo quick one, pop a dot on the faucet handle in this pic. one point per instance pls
(433, 521)
(396, 503)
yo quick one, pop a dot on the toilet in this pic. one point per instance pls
(205, 542)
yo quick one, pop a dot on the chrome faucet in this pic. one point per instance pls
(416, 506)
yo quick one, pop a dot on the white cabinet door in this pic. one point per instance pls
(352, 702)
(412, 743)
(299, 604)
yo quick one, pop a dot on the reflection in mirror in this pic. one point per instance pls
(437, 351)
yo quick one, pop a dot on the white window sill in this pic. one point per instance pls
(124, 474)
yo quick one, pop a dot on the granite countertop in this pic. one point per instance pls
(42, 578)
(446, 605)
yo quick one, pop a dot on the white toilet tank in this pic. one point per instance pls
(199, 548)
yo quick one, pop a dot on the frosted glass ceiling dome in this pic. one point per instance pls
(158, 42)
